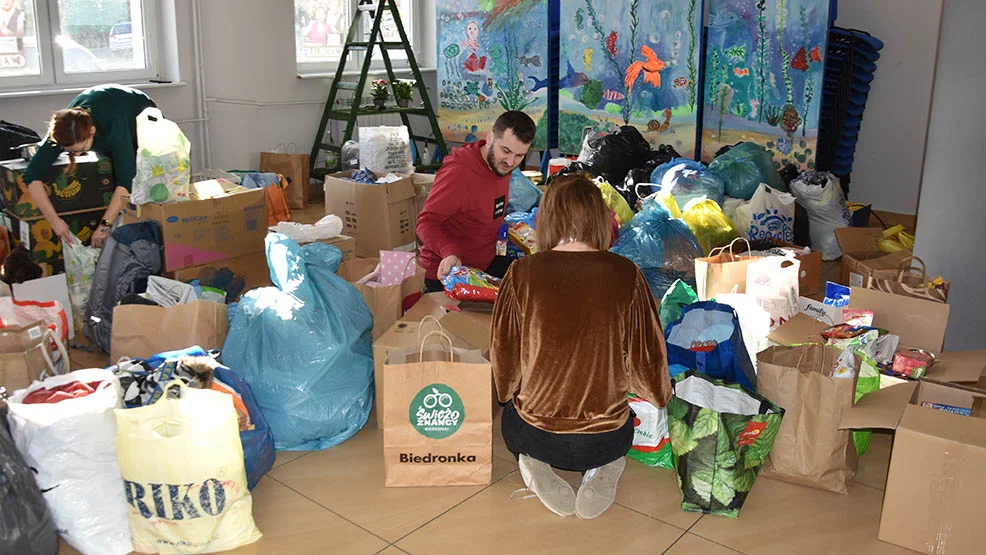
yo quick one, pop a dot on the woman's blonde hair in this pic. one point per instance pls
(68, 127)
(573, 209)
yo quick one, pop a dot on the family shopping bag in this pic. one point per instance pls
(721, 434)
(810, 449)
(70, 442)
(708, 338)
(182, 466)
(437, 410)
(723, 271)
(651, 444)
(164, 168)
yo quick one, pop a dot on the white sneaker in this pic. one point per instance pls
(554, 492)
(598, 489)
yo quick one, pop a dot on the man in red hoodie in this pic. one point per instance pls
(460, 220)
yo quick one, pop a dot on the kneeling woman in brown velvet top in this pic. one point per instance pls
(575, 328)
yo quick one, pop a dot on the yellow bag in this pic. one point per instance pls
(183, 471)
(665, 198)
(895, 239)
(710, 225)
(615, 201)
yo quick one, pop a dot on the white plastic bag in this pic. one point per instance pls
(754, 321)
(821, 195)
(385, 149)
(738, 210)
(773, 282)
(164, 168)
(329, 226)
(184, 475)
(771, 216)
(71, 444)
(80, 267)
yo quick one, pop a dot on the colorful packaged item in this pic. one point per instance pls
(469, 284)
(855, 317)
(912, 363)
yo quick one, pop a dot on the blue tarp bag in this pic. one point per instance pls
(524, 194)
(304, 347)
(709, 321)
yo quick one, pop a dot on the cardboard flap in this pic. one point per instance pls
(472, 327)
(858, 239)
(959, 366)
(880, 409)
(799, 329)
(400, 190)
(917, 322)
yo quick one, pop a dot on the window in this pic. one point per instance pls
(321, 26)
(73, 42)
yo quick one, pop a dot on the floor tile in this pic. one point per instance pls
(493, 523)
(348, 479)
(654, 492)
(284, 457)
(690, 544)
(392, 550)
(781, 518)
(873, 465)
(84, 359)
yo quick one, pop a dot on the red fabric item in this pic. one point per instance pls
(462, 214)
(74, 390)
(615, 223)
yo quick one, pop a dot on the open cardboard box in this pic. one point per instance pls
(935, 487)
(470, 325)
(861, 255)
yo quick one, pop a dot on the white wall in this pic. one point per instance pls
(952, 218)
(890, 151)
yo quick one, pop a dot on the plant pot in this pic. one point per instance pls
(380, 103)
(403, 102)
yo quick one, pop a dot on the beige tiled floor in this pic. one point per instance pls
(333, 501)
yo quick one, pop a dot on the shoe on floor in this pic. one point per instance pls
(554, 492)
(598, 489)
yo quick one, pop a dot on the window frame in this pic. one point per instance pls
(53, 74)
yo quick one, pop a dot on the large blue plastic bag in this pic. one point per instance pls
(663, 247)
(524, 194)
(687, 179)
(709, 321)
(304, 347)
(744, 167)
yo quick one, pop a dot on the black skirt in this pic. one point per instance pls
(576, 452)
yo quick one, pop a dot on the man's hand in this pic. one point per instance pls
(99, 237)
(61, 230)
(445, 266)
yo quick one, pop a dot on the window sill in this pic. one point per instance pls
(331, 74)
(52, 91)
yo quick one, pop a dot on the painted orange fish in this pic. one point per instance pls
(741, 71)
(800, 61)
(816, 54)
(651, 69)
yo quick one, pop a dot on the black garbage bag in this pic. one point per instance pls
(13, 136)
(642, 174)
(802, 231)
(612, 156)
(26, 525)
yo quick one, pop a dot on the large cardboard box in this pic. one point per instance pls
(36, 235)
(343, 242)
(469, 324)
(385, 210)
(235, 275)
(861, 255)
(935, 486)
(199, 232)
(90, 186)
(386, 303)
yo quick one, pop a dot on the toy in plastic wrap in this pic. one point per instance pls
(687, 179)
(517, 237)
(471, 285)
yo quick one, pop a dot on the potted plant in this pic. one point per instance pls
(403, 91)
(379, 93)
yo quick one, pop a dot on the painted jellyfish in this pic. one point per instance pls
(451, 53)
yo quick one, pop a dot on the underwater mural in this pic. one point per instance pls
(763, 76)
(492, 56)
(630, 63)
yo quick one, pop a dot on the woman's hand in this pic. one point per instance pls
(99, 237)
(61, 229)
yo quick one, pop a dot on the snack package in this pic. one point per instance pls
(523, 236)
(845, 366)
(912, 363)
(855, 317)
(836, 295)
(469, 284)
(502, 238)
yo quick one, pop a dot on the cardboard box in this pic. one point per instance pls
(433, 304)
(90, 186)
(402, 335)
(386, 210)
(343, 242)
(935, 487)
(235, 275)
(861, 255)
(961, 367)
(38, 237)
(469, 324)
(199, 232)
(386, 303)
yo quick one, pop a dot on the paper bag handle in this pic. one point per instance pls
(421, 347)
(721, 250)
(50, 335)
(901, 269)
(283, 148)
(429, 318)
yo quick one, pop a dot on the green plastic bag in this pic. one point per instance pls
(651, 444)
(721, 434)
(868, 379)
(678, 296)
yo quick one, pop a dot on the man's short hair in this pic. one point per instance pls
(519, 123)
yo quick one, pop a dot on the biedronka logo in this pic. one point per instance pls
(436, 411)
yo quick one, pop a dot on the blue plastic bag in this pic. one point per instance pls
(304, 347)
(687, 179)
(744, 167)
(709, 321)
(524, 194)
(258, 443)
(663, 247)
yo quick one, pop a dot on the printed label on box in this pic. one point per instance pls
(855, 280)
(25, 232)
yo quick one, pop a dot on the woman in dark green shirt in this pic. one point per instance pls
(102, 119)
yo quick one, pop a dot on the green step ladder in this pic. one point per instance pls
(351, 114)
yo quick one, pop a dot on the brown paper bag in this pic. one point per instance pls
(908, 280)
(141, 331)
(437, 417)
(810, 449)
(386, 302)
(22, 355)
(721, 272)
(295, 168)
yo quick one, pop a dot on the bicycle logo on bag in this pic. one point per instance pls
(436, 411)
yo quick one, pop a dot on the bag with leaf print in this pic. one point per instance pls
(721, 435)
